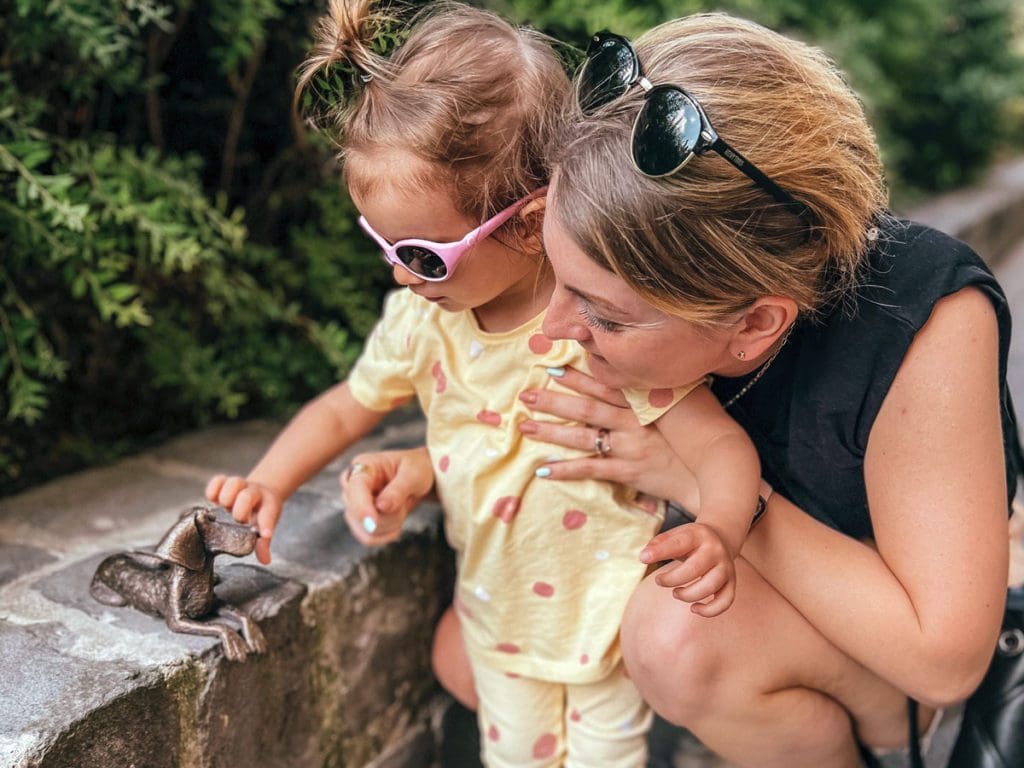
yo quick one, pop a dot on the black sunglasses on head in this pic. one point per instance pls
(671, 127)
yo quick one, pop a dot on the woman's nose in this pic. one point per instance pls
(562, 319)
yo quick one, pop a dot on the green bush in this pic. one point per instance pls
(175, 252)
(135, 298)
(943, 80)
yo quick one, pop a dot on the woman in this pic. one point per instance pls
(865, 357)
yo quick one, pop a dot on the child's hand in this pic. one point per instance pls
(249, 502)
(379, 490)
(704, 567)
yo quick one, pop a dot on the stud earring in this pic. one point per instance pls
(741, 355)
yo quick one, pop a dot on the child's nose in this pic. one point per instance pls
(404, 277)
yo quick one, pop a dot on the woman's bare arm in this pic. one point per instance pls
(924, 608)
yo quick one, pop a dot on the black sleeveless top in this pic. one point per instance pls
(811, 412)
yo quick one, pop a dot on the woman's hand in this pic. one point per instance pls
(379, 490)
(639, 456)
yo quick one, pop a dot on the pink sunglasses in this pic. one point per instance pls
(437, 261)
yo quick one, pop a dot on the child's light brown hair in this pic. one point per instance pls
(705, 242)
(473, 96)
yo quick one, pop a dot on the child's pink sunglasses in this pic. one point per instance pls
(436, 262)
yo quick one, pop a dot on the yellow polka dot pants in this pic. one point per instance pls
(527, 723)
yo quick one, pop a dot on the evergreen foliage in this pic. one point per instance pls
(174, 250)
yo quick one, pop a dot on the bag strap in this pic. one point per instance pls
(867, 756)
(914, 742)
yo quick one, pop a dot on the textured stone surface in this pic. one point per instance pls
(988, 216)
(16, 560)
(261, 712)
(345, 681)
(229, 448)
(373, 642)
(119, 506)
(140, 728)
(46, 689)
(416, 750)
(312, 533)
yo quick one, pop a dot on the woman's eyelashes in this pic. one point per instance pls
(595, 321)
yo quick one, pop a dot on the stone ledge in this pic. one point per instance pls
(988, 216)
(345, 681)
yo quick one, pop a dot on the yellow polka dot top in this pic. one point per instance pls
(544, 567)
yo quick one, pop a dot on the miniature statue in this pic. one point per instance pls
(176, 580)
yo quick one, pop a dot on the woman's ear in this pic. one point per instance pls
(531, 217)
(765, 322)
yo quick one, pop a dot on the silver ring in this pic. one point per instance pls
(603, 443)
(357, 469)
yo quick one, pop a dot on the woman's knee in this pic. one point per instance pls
(450, 662)
(669, 653)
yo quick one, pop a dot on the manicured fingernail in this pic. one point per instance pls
(369, 524)
(543, 472)
(645, 556)
(383, 505)
(556, 372)
(528, 427)
(528, 397)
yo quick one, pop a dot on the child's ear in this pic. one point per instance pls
(531, 217)
(537, 205)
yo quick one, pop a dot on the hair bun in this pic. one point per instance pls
(351, 46)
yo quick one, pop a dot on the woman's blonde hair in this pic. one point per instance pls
(471, 95)
(705, 242)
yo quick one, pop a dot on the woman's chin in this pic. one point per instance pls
(604, 373)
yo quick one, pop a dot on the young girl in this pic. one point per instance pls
(441, 147)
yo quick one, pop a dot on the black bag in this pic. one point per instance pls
(992, 734)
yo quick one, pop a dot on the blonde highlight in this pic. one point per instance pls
(705, 243)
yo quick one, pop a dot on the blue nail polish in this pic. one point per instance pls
(556, 372)
(369, 524)
(543, 472)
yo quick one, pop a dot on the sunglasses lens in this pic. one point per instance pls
(422, 262)
(608, 72)
(666, 133)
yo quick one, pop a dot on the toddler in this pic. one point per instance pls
(441, 144)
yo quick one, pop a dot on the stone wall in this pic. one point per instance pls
(989, 216)
(345, 681)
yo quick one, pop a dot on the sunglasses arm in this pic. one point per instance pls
(752, 172)
(489, 227)
(384, 245)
